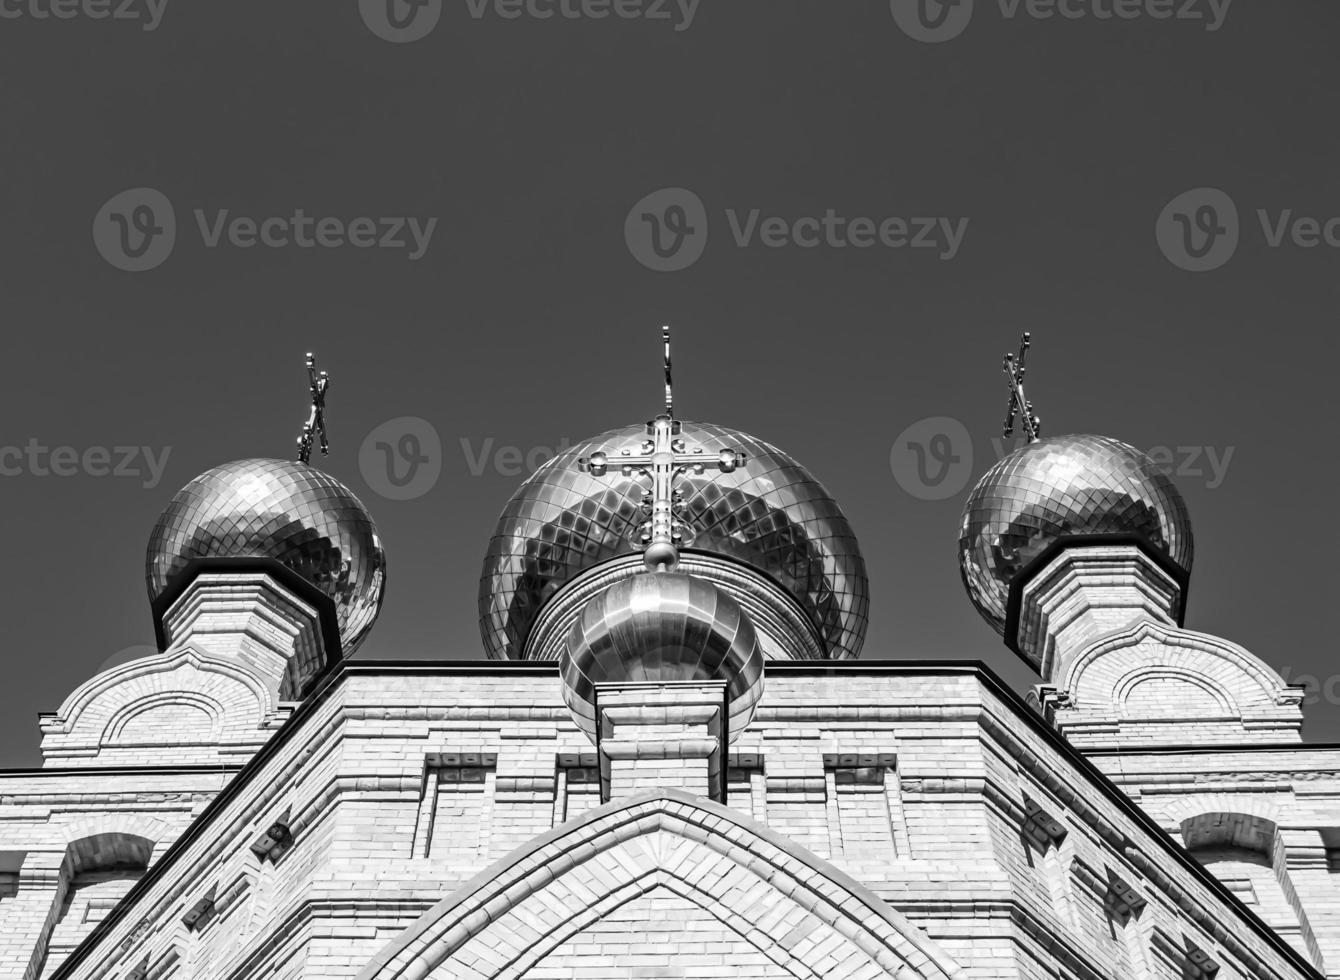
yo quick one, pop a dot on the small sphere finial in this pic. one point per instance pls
(662, 629)
(660, 556)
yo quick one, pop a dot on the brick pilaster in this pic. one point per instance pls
(662, 735)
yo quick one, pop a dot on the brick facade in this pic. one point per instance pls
(1153, 814)
(927, 798)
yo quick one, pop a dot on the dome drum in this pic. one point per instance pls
(327, 618)
(1014, 607)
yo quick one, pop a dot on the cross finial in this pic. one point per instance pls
(669, 387)
(1019, 405)
(315, 426)
(664, 458)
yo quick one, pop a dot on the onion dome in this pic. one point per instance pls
(770, 515)
(662, 626)
(281, 511)
(1061, 487)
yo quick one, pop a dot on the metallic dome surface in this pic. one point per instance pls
(293, 513)
(662, 626)
(770, 513)
(1057, 487)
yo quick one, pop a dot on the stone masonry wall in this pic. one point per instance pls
(402, 784)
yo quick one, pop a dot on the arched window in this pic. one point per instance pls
(97, 873)
(1239, 850)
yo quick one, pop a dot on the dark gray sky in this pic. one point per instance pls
(529, 321)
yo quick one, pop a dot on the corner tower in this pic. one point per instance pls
(1077, 549)
(262, 574)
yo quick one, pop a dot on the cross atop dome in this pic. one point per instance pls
(664, 458)
(669, 386)
(1020, 406)
(315, 426)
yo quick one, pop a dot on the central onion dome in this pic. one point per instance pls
(662, 626)
(288, 512)
(769, 514)
(1061, 487)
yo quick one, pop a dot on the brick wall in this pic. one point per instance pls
(925, 787)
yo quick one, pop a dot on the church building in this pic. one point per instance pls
(668, 758)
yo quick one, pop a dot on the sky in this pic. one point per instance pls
(479, 220)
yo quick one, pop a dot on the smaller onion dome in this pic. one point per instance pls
(288, 512)
(662, 626)
(1061, 487)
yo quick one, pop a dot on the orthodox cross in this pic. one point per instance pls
(316, 419)
(664, 458)
(1020, 406)
(669, 388)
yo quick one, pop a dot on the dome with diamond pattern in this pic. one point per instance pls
(1059, 487)
(293, 513)
(770, 514)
